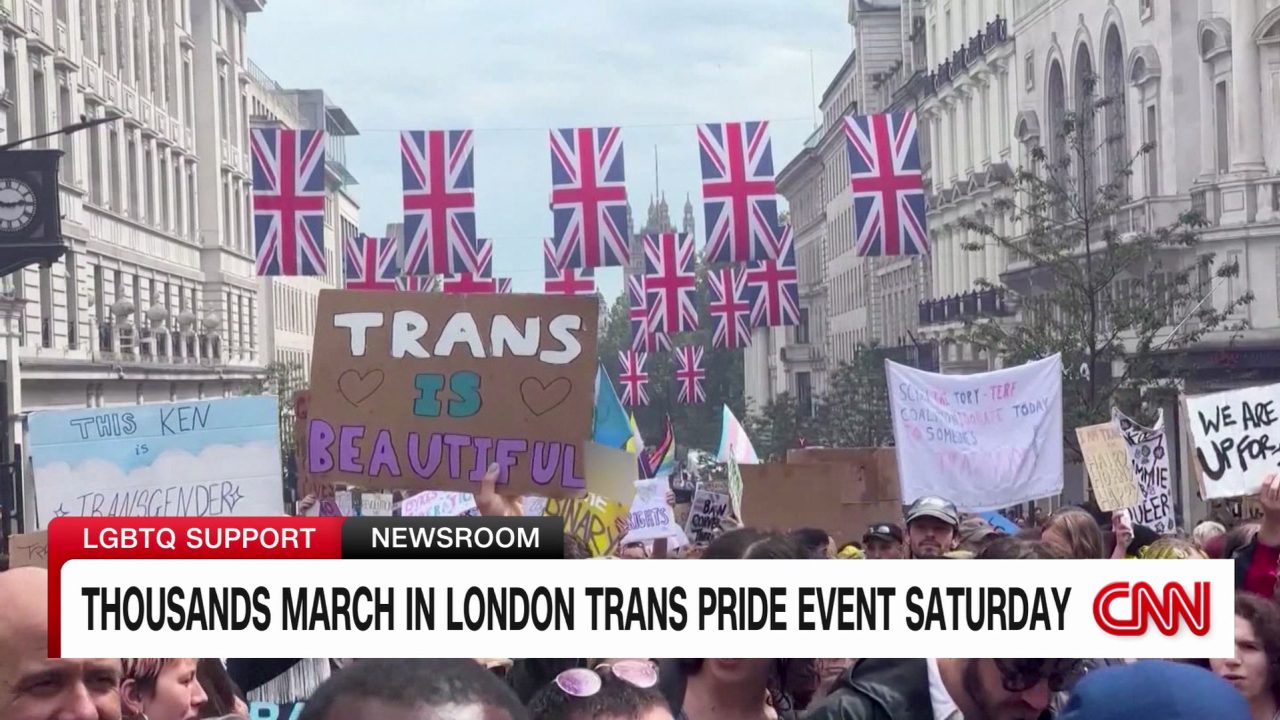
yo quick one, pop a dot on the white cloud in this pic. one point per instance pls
(256, 465)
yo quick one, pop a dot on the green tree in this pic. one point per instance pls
(777, 427)
(1103, 290)
(854, 412)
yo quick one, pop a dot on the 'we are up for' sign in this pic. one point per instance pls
(1237, 439)
(425, 391)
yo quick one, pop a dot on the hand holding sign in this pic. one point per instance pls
(1269, 499)
(491, 504)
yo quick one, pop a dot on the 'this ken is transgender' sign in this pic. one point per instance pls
(425, 391)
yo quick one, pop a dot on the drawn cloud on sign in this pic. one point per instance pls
(253, 465)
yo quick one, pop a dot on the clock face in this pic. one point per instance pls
(17, 205)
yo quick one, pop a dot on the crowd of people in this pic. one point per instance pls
(1243, 687)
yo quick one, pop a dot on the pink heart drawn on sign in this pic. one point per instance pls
(357, 388)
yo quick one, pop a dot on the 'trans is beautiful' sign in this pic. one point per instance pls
(985, 441)
(1237, 439)
(425, 391)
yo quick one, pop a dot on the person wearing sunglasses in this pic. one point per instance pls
(621, 690)
(948, 689)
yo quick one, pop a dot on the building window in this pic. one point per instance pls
(39, 101)
(131, 162)
(1222, 125)
(1029, 70)
(149, 188)
(73, 300)
(67, 143)
(223, 110)
(189, 92)
(1151, 132)
(46, 307)
(166, 212)
(802, 329)
(97, 183)
(114, 179)
(1117, 107)
(99, 297)
(193, 210)
(13, 129)
(804, 393)
(1057, 103)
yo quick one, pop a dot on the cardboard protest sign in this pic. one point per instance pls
(843, 497)
(650, 517)
(437, 504)
(29, 550)
(424, 391)
(599, 522)
(344, 503)
(1149, 461)
(985, 441)
(275, 711)
(376, 504)
(1106, 458)
(1235, 436)
(207, 458)
(707, 513)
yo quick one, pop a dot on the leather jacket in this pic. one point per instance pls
(878, 689)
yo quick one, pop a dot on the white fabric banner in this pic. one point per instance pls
(1149, 458)
(984, 441)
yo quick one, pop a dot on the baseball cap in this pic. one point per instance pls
(934, 507)
(974, 529)
(1154, 689)
(883, 531)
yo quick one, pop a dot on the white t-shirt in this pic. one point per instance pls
(944, 708)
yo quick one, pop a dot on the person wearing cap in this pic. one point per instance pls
(883, 541)
(932, 525)
(1154, 689)
(975, 533)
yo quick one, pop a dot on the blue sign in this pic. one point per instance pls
(206, 458)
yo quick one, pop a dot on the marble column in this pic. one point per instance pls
(1246, 88)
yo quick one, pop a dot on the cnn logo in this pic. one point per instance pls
(1144, 605)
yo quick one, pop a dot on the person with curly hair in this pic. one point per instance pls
(1254, 670)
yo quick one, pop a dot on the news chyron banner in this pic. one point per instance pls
(495, 587)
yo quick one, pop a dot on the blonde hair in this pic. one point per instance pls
(1080, 530)
(1206, 531)
(1172, 548)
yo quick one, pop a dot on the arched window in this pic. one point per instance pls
(1056, 93)
(1117, 109)
(1084, 97)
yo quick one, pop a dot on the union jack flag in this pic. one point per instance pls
(730, 309)
(467, 283)
(775, 285)
(738, 195)
(438, 170)
(670, 285)
(887, 184)
(690, 374)
(589, 198)
(288, 202)
(570, 281)
(643, 339)
(483, 258)
(416, 284)
(634, 379)
(370, 262)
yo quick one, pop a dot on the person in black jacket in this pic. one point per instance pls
(946, 689)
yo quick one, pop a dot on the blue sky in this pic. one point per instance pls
(512, 69)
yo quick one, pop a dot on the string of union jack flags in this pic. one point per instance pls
(752, 276)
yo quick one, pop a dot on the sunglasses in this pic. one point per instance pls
(1021, 675)
(585, 682)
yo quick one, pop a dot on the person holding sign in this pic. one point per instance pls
(1256, 562)
(933, 525)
